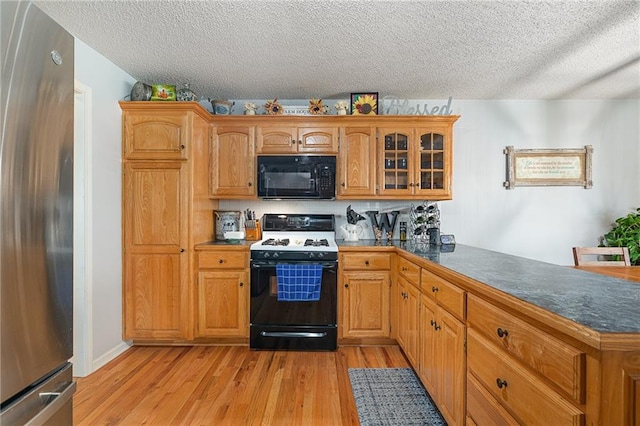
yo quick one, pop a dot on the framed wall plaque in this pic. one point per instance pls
(548, 167)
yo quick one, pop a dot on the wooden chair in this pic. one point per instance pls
(602, 256)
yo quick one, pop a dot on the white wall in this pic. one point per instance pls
(108, 84)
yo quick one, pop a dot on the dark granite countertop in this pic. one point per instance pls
(600, 302)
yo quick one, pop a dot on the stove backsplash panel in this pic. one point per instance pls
(337, 208)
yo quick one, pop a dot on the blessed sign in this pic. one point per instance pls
(392, 105)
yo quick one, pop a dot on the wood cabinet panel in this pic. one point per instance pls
(450, 296)
(408, 319)
(482, 407)
(409, 270)
(223, 304)
(293, 139)
(223, 260)
(149, 135)
(357, 165)
(530, 399)
(155, 303)
(232, 162)
(428, 365)
(365, 261)
(153, 205)
(562, 364)
(364, 299)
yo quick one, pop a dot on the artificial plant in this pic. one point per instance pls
(626, 233)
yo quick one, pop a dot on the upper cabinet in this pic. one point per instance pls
(357, 167)
(415, 161)
(155, 135)
(294, 139)
(232, 162)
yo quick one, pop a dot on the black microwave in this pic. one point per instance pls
(297, 177)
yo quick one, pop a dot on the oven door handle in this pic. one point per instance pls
(303, 334)
(325, 265)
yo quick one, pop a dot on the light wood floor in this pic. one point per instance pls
(226, 385)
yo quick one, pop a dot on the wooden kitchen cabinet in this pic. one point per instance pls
(233, 170)
(223, 294)
(165, 210)
(156, 303)
(364, 295)
(408, 306)
(415, 161)
(442, 364)
(153, 135)
(297, 139)
(357, 170)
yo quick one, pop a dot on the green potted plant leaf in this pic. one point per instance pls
(626, 233)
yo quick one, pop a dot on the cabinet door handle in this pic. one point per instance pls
(343, 184)
(502, 332)
(181, 250)
(404, 268)
(434, 289)
(501, 383)
(299, 142)
(366, 262)
(433, 323)
(241, 283)
(181, 146)
(346, 286)
(221, 261)
(293, 141)
(250, 184)
(436, 326)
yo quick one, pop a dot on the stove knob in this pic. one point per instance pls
(276, 254)
(265, 255)
(311, 255)
(320, 254)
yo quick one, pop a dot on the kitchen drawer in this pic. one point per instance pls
(365, 261)
(482, 407)
(449, 296)
(409, 270)
(223, 260)
(562, 364)
(529, 398)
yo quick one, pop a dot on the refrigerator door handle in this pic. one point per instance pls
(56, 401)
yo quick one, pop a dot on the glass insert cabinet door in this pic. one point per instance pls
(396, 158)
(431, 168)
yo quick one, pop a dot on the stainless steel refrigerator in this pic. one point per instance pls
(36, 221)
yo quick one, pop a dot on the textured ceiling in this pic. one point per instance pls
(251, 49)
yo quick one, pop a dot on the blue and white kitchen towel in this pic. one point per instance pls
(299, 282)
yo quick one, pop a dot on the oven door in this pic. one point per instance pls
(277, 324)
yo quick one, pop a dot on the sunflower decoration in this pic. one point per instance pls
(273, 107)
(315, 106)
(364, 105)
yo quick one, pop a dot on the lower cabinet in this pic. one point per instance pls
(223, 294)
(364, 294)
(365, 304)
(442, 359)
(408, 302)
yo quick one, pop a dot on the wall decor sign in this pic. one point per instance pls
(548, 167)
(364, 103)
(392, 105)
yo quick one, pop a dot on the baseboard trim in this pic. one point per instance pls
(110, 355)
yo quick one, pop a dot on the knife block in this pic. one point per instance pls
(252, 230)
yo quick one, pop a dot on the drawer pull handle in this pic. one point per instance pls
(501, 383)
(366, 262)
(221, 261)
(434, 289)
(436, 326)
(433, 323)
(502, 332)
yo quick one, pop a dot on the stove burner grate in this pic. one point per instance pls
(274, 242)
(316, 243)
